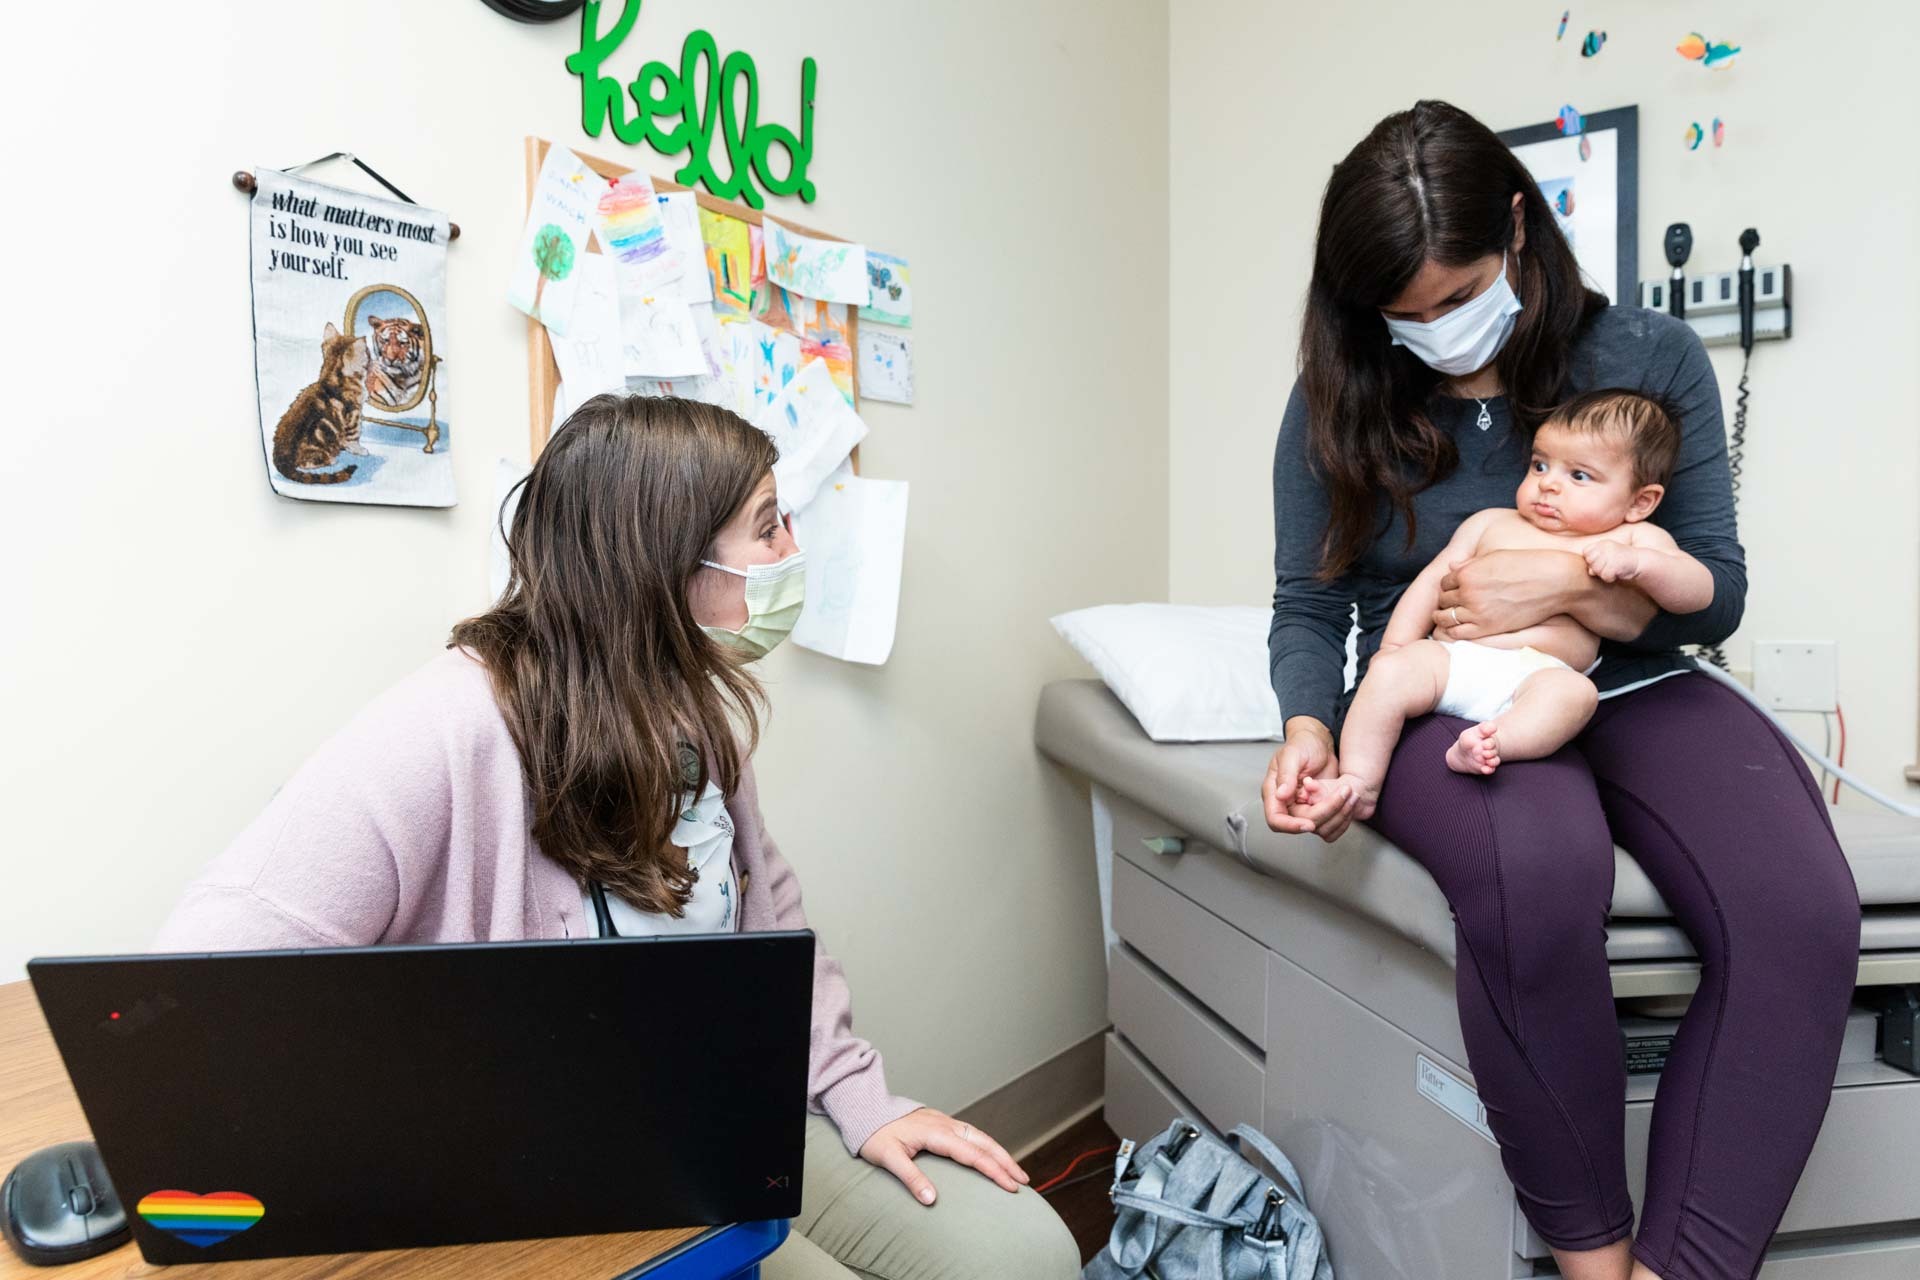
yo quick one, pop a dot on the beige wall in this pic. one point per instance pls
(1267, 96)
(178, 639)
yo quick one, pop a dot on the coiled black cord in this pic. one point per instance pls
(1737, 446)
(1736, 457)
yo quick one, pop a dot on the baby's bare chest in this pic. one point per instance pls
(1512, 533)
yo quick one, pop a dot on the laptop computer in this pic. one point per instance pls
(266, 1104)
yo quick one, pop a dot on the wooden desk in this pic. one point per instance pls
(38, 1109)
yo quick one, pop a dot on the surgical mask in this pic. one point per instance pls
(775, 594)
(1467, 337)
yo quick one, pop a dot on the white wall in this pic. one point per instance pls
(1267, 97)
(178, 638)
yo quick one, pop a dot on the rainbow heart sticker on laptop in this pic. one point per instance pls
(201, 1220)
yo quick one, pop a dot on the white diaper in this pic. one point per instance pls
(1481, 680)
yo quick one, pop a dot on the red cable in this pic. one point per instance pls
(1843, 749)
(1074, 1164)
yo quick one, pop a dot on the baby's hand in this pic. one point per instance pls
(1614, 561)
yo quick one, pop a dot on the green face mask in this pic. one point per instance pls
(775, 594)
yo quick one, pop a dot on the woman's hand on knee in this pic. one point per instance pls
(893, 1147)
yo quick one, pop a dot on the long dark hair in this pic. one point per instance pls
(1430, 183)
(614, 696)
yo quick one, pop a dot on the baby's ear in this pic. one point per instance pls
(1645, 501)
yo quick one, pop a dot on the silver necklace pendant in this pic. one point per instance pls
(1485, 419)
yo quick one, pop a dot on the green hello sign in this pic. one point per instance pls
(672, 113)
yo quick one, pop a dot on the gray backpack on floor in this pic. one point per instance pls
(1190, 1208)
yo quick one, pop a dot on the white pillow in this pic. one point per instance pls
(1189, 673)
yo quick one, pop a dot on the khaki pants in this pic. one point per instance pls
(858, 1221)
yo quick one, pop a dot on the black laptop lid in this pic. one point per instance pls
(294, 1102)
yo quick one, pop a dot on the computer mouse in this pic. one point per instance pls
(58, 1205)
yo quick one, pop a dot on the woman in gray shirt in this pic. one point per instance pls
(1446, 317)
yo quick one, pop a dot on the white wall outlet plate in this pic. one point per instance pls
(1800, 675)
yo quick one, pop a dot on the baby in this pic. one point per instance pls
(1600, 466)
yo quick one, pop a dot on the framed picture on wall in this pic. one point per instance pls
(1591, 179)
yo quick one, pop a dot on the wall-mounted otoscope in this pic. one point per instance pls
(1743, 306)
(1750, 304)
(1749, 241)
(1679, 245)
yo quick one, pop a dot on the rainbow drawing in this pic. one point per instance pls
(630, 227)
(201, 1220)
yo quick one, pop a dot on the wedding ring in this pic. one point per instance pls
(1455, 611)
(966, 1131)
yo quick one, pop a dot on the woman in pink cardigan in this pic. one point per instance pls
(549, 753)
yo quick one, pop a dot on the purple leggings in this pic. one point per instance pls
(1720, 811)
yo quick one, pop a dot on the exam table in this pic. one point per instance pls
(1308, 990)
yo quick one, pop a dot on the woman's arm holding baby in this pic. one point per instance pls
(1653, 562)
(1516, 588)
(1413, 616)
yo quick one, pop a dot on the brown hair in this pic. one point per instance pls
(616, 699)
(1647, 426)
(1429, 183)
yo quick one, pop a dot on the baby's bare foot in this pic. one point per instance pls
(1367, 794)
(1476, 751)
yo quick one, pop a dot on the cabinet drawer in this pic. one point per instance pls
(1404, 1185)
(1223, 968)
(1199, 1057)
(1136, 830)
(1372, 964)
(1866, 1260)
(1140, 1102)
(1861, 1169)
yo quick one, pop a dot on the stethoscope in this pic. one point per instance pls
(602, 917)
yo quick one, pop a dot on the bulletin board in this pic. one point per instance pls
(543, 373)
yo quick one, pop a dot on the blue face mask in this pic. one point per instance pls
(1466, 338)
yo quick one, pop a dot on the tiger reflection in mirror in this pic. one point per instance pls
(382, 369)
(396, 361)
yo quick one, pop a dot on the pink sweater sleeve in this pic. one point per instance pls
(408, 825)
(315, 869)
(845, 1080)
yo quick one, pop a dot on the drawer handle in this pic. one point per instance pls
(1164, 844)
